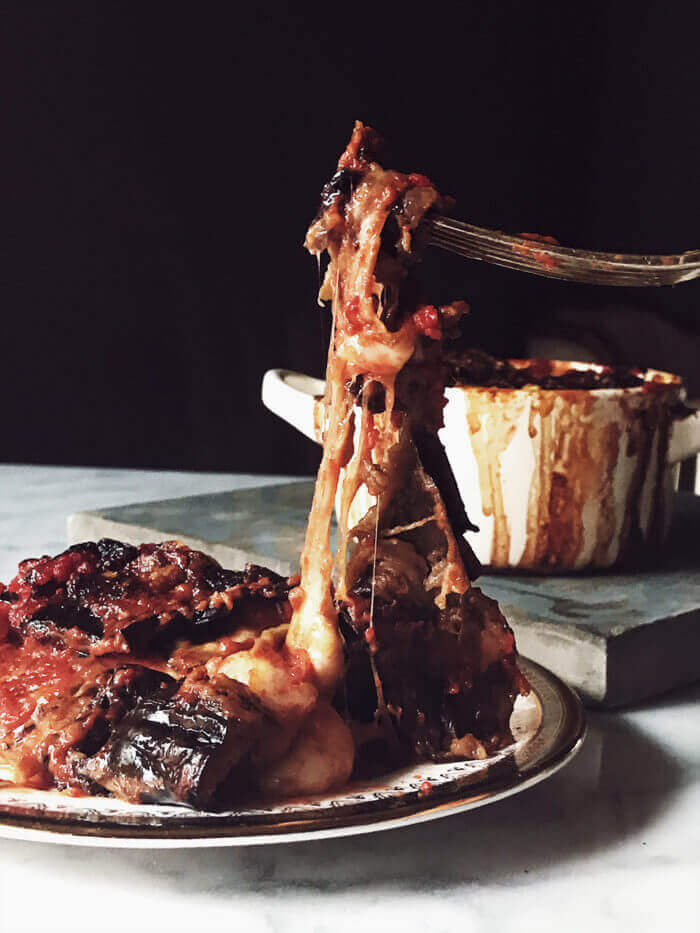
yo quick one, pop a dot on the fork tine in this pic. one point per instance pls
(554, 261)
(562, 271)
(541, 263)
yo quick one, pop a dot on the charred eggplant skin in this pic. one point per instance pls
(178, 746)
(103, 687)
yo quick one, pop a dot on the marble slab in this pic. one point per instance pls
(617, 637)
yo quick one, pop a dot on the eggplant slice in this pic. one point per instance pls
(180, 746)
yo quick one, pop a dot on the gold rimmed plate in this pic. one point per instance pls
(548, 728)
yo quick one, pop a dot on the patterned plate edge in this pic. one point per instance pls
(559, 736)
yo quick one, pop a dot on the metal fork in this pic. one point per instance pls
(539, 256)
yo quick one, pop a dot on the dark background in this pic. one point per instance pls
(160, 163)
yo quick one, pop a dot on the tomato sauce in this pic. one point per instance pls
(34, 674)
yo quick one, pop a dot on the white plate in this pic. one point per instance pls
(547, 725)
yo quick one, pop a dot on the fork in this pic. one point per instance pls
(544, 256)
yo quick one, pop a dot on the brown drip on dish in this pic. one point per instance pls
(484, 409)
(576, 459)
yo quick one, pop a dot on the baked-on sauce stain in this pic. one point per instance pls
(580, 438)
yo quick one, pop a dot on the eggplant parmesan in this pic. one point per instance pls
(109, 676)
(428, 662)
(153, 674)
(477, 368)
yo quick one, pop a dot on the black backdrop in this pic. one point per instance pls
(161, 162)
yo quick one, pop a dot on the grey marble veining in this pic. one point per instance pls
(611, 843)
(35, 501)
(617, 636)
(262, 524)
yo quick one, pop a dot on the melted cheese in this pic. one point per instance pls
(350, 230)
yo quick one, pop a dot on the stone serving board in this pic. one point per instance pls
(617, 637)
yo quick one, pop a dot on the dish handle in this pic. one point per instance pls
(292, 396)
(684, 441)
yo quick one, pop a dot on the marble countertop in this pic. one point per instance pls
(612, 842)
